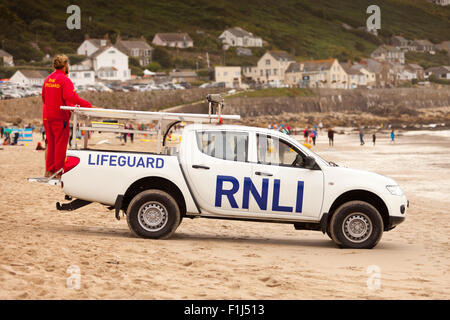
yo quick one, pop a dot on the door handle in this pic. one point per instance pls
(198, 166)
(259, 173)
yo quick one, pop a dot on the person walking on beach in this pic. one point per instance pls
(131, 134)
(361, 135)
(330, 137)
(306, 134)
(374, 138)
(392, 136)
(57, 91)
(314, 136)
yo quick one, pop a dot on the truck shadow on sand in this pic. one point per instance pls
(202, 237)
(198, 237)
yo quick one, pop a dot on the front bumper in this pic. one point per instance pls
(394, 221)
(397, 211)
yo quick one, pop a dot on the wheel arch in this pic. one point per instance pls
(154, 182)
(361, 195)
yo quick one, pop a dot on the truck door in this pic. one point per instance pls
(216, 168)
(290, 189)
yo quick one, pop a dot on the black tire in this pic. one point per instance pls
(357, 225)
(157, 205)
(328, 232)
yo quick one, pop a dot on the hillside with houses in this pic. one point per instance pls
(241, 55)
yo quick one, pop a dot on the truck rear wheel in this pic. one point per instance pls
(153, 214)
(357, 225)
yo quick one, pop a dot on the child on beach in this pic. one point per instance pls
(374, 138)
(392, 136)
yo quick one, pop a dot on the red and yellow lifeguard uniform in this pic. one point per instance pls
(58, 91)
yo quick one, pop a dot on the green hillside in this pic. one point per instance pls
(308, 29)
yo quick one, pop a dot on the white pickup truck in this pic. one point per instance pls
(236, 173)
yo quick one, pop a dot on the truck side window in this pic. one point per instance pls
(225, 145)
(273, 151)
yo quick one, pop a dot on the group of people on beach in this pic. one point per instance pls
(374, 136)
(310, 135)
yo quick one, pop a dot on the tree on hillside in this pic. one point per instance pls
(22, 50)
(162, 56)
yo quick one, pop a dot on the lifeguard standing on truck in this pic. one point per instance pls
(57, 91)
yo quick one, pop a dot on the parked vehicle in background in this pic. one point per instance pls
(186, 85)
(276, 84)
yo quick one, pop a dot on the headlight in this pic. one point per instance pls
(395, 190)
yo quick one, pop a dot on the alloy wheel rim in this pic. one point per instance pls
(152, 216)
(357, 227)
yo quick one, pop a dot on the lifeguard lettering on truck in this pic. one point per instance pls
(240, 173)
(125, 161)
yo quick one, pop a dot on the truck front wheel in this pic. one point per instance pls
(153, 214)
(356, 224)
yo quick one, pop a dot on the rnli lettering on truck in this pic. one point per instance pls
(125, 161)
(260, 198)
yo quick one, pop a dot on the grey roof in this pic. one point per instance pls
(352, 69)
(3, 53)
(423, 42)
(310, 66)
(438, 69)
(183, 74)
(318, 65)
(372, 65)
(385, 48)
(101, 50)
(281, 56)
(414, 66)
(34, 74)
(239, 32)
(400, 38)
(97, 42)
(444, 45)
(172, 37)
(135, 44)
(293, 67)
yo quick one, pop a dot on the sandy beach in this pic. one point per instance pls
(214, 259)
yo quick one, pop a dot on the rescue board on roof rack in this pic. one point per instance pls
(149, 115)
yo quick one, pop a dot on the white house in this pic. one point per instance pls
(90, 46)
(82, 74)
(270, 68)
(370, 76)
(109, 63)
(356, 75)
(8, 60)
(137, 48)
(238, 37)
(389, 54)
(231, 76)
(442, 72)
(406, 74)
(29, 77)
(442, 2)
(326, 73)
(174, 40)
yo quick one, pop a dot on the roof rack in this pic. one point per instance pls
(166, 120)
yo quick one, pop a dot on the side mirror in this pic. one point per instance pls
(310, 162)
